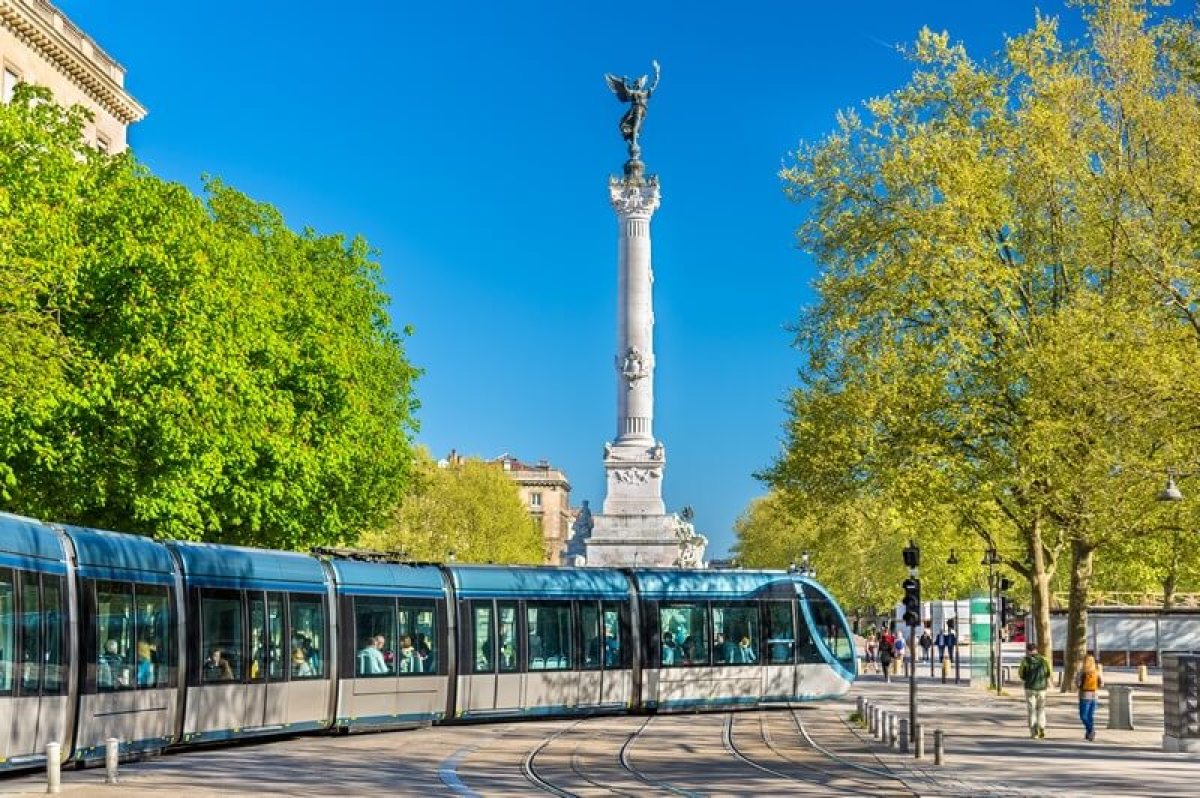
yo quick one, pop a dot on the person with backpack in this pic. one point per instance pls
(1035, 674)
(898, 646)
(1088, 682)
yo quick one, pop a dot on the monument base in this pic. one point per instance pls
(647, 541)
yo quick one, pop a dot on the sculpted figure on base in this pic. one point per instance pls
(637, 93)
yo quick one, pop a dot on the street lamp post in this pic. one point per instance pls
(953, 560)
(912, 586)
(991, 559)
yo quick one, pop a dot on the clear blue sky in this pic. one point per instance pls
(471, 143)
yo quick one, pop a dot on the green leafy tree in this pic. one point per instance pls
(202, 371)
(471, 509)
(1007, 252)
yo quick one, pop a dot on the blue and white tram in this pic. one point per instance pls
(722, 638)
(158, 644)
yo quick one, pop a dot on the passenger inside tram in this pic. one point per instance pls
(407, 656)
(145, 664)
(745, 653)
(425, 654)
(670, 652)
(108, 670)
(370, 657)
(217, 668)
(300, 666)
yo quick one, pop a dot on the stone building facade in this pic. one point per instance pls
(547, 494)
(40, 46)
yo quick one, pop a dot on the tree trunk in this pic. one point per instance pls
(1169, 591)
(1039, 589)
(1077, 610)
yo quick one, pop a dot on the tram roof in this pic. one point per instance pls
(115, 555)
(240, 568)
(28, 543)
(378, 578)
(485, 581)
(673, 583)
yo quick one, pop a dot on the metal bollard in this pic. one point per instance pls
(53, 767)
(904, 735)
(877, 723)
(945, 669)
(862, 708)
(1143, 674)
(939, 754)
(918, 741)
(112, 756)
(891, 729)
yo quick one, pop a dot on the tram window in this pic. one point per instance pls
(154, 665)
(222, 658)
(830, 626)
(308, 636)
(31, 635)
(806, 647)
(780, 635)
(615, 618)
(114, 636)
(276, 656)
(549, 625)
(507, 618)
(684, 634)
(484, 660)
(417, 644)
(589, 623)
(7, 630)
(735, 634)
(375, 622)
(258, 646)
(53, 680)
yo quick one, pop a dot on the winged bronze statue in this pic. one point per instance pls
(637, 93)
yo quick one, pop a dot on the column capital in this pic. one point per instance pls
(634, 198)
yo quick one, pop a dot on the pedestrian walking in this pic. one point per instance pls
(951, 638)
(1088, 682)
(1035, 673)
(940, 642)
(899, 647)
(887, 654)
(926, 643)
(872, 650)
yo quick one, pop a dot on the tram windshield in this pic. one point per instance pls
(830, 626)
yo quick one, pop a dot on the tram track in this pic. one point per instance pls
(784, 765)
(539, 774)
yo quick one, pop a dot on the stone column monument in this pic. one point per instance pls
(634, 527)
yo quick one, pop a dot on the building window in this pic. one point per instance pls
(535, 499)
(11, 79)
(102, 143)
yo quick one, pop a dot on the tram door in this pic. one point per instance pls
(780, 674)
(266, 693)
(31, 628)
(477, 689)
(509, 681)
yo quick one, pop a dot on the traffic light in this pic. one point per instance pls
(1006, 605)
(912, 601)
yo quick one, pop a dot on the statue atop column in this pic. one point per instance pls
(637, 93)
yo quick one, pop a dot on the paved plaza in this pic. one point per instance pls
(806, 750)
